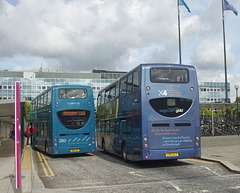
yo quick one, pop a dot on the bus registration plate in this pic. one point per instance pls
(74, 150)
(172, 154)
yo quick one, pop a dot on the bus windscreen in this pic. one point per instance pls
(169, 75)
(72, 93)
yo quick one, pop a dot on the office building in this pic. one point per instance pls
(213, 92)
(33, 83)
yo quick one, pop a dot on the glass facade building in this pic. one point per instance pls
(33, 83)
(213, 92)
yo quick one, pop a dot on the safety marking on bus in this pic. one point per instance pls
(74, 139)
(44, 162)
(84, 138)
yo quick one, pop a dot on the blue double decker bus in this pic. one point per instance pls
(151, 113)
(64, 119)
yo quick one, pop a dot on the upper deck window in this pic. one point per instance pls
(169, 75)
(72, 93)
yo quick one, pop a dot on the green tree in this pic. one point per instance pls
(28, 108)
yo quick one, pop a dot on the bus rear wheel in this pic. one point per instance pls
(124, 153)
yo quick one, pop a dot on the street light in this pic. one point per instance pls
(236, 88)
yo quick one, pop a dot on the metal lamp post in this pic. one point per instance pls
(236, 88)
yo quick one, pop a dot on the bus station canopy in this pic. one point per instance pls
(7, 110)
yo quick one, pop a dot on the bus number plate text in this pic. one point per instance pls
(74, 150)
(172, 154)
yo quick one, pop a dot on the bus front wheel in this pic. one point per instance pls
(124, 153)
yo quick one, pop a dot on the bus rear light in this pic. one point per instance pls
(197, 154)
(55, 140)
(93, 138)
(89, 102)
(146, 145)
(55, 144)
(145, 139)
(197, 144)
(56, 152)
(148, 88)
(93, 142)
(192, 89)
(57, 103)
(146, 156)
(197, 138)
(93, 150)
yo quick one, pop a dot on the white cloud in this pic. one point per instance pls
(208, 55)
(73, 35)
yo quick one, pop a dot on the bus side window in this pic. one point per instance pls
(117, 127)
(49, 97)
(107, 96)
(45, 99)
(129, 83)
(123, 127)
(117, 89)
(102, 98)
(112, 126)
(107, 131)
(135, 81)
(99, 99)
(129, 126)
(102, 130)
(112, 93)
(123, 85)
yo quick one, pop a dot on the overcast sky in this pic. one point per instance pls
(80, 35)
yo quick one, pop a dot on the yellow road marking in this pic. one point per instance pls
(201, 161)
(49, 168)
(93, 159)
(42, 163)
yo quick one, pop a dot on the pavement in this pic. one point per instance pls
(224, 150)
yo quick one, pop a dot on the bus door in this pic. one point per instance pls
(126, 128)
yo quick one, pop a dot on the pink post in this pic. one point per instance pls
(17, 146)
